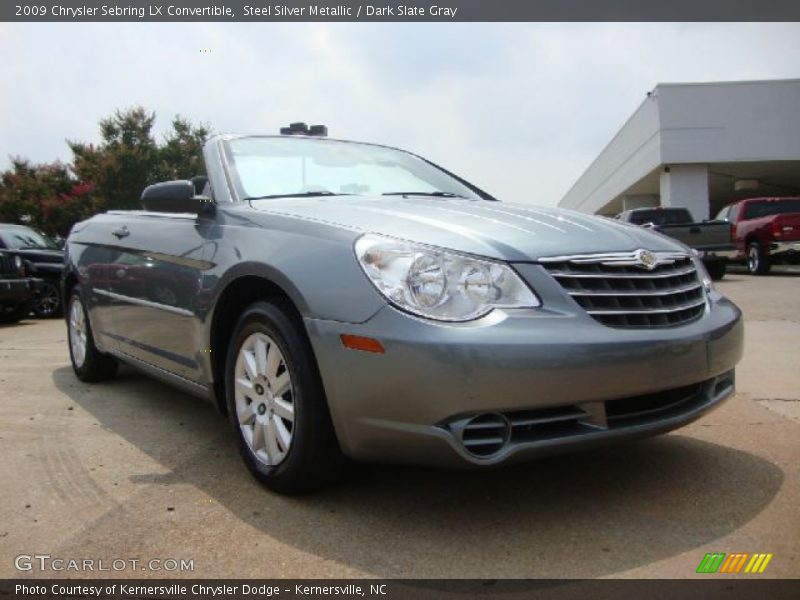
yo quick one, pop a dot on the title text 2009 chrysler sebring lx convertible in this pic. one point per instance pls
(348, 299)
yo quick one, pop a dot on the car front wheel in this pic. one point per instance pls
(88, 362)
(47, 303)
(276, 403)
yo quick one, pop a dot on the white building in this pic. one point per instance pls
(699, 146)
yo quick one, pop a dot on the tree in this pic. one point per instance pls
(44, 196)
(128, 159)
(181, 156)
(123, 163)
(104, 176)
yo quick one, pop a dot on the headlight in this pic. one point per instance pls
(439, 284)
(19, 265)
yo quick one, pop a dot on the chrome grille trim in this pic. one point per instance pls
(619, 293)
(7, 265)
(625, 275)
(613, 259)
(649, 311)
(638, 289)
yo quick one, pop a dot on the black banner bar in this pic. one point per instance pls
(712, 588)
(399, 11)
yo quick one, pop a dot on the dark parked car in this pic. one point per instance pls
(17, 290)
(338, 298)
(711, 239)
(44, 259)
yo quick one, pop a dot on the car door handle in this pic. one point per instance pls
(694, 230)
(121, 232)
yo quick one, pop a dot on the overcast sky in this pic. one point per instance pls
(519, 109)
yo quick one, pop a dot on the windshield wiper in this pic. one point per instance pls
(436, 194)
(295, 195)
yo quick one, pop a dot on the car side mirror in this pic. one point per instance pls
(175, 197)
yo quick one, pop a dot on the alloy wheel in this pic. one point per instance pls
(753, 258)
(264, 398)
(47, 301)
(77, 332)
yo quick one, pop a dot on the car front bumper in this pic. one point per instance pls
(16, 291)
(531, 367)
(785, 249)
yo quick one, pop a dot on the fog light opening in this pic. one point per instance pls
(485, 434)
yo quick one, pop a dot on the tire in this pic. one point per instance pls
(758, 263)
(267, 347)
(88, 362)
(716, 269)
(47, 303)
(14, 314)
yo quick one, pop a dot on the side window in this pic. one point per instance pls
(724, 214)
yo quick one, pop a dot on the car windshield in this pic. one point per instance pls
(764, 208)
(264, 167)
(25, 238)
(661, 217)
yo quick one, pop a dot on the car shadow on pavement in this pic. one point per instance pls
(777, 271)
(579, 515)
(22, 323)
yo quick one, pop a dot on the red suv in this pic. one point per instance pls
(765, 231)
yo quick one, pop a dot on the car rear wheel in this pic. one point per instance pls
(88, 362)
(758, 263)
(48, 301)
(276, 403)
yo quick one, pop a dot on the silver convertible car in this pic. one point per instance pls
(340, 299)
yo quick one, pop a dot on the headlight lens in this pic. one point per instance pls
(439, 284)
(19, 265)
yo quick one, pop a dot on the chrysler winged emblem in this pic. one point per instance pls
(646, 259)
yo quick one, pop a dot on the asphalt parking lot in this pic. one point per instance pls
(133, 469)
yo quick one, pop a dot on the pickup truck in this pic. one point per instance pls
(765, 231)
(344, 299)
(712, 239)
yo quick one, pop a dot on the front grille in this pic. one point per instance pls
(618, 292)
(7, 267)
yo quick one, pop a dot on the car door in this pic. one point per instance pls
(156, 272)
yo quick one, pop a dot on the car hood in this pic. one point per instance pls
(43, 258)
(42, 255)
(513, 232)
